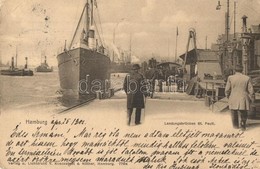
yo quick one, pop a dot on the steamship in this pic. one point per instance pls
(14, 71)
(84, 67)
(44, 67)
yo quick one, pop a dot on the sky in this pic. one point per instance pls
(40, 27)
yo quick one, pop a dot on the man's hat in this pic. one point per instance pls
(239, 68)
(136, 67)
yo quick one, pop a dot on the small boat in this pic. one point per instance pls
(14, 71)
(44, 67)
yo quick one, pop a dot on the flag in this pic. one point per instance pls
(177, 32)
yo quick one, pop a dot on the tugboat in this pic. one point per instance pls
(84, 68)
(14, 71)
(44, 67)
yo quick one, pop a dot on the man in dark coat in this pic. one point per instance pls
(240, 93)
(151, 74)
(134, 87)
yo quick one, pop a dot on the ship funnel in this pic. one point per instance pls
(12, 64)
(91, 38)
(244, 18)
(26, 63)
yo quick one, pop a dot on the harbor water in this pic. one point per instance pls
(40, 92)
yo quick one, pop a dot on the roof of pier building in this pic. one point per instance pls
(203, 55)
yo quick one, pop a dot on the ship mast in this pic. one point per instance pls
(227, 22)
(87, 21)
(16, 58)
(91, 34)
(130, 49)
(41, 56)
(234, 19)
(230, 61)
(92, 13)
(176, 43)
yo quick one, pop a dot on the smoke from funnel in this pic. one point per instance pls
(115, 50)
(135, 59)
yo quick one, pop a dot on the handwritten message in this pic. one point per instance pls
(71, 142)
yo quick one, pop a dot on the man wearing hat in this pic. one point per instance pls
(151, 75)
(134, 87)
(240, 93)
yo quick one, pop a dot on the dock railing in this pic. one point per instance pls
(214, 90)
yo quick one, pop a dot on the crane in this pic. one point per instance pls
(192, 35)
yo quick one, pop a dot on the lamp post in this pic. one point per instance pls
(245, 39)
(235, 6)
(227, 18)
(227, 28)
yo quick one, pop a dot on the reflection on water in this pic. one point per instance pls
(41, 91)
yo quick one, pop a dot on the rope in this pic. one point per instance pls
(80, 104)
(248, 9)
(101, 28)
(71, 58)
(77, 106)
(98, 33)
(12, 10)
(77, 26)
(101, 37)
(75, 17)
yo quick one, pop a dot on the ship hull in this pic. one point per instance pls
(21, 72)
(83, 72)
(38, 69)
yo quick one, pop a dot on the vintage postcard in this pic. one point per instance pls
(169, 84)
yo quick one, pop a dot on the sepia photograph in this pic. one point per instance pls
(135, 84)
